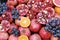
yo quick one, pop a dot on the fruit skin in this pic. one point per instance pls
(17, 21)
(57, 15)
(35, 26)
(3, 36)
(44, 34)
(12, 2)
(56, 3)
(22, 1)
(24, 22)
(35, 37)
(24, 31)
(57, 10)
(23, 37)
(54, 38)
(12, 37)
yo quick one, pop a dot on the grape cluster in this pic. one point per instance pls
(15, 32)
(53, 26)
(3, 7)
(15, 13)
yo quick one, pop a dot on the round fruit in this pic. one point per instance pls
(22, 1)
(35, 26)
(25, 22)
(24, 31)
(44, 34)
(5, 24)
(23, 37)
(3, 36)
(12, 37)
(57, 3)
(35, 37)
(22, 9)
(54, 38)
(12, 2)
(57, 10)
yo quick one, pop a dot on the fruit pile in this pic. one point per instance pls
(29, 20)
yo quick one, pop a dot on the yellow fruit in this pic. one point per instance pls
(23, 37)
(57, 10)
(25, 22)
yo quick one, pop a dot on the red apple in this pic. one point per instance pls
(35, 37)
(44, 34)
(3, 36)
(25, 31)
(35, 26)
(13, 37)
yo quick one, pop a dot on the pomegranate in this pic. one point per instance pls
(35, 37)
(54, 38)
(7, 16)
(44, 34)
(3, 36)
(13, 37)
(57, 3)
(23, 9)
(35, 26)
(25, 31)
(5, 25)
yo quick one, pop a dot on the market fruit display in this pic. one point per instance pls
(29, 20)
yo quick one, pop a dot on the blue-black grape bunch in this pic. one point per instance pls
(15, 31)
(15, 13)
(53, 26)
(3, 7)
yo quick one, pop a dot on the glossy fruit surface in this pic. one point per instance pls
(54, 38)
(56, 3)
(3, 36)
(44, 34)
(12, 37)
(25, 31)
(35, 26)
(25, 22)
(23, 37)
(35, 37)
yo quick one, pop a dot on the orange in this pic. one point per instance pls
(25, 22)
(57, 10)
(23, 37)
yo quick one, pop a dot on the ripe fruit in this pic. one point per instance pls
(22, 1)
(3, 8)
(25, 22)
(22, 9)
(35, 37)
(57, 10)
(35, 26)
(5, 25)
(7, 16)
(24, 31)
(13, 37)
(57, 15)
(57, 3)
(23, 37)
(12, 2)
(54, 38)
(44, 34)
(3, 36)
